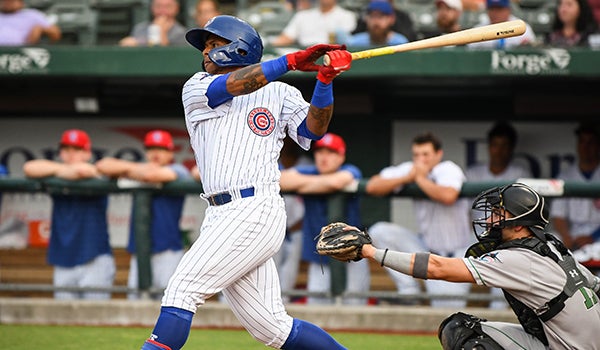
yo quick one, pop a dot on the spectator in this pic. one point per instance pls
(442, 217)
(573, 24)
(447, 17)
(499, 11)
(473, 5)
(195, 173)
(595, 6)
(380, 19)
(205, 10)
(163, 30)
(289, 255)
(79, 246)
(577, 220)
(316, 25)
(318, 183)
(403, 24)
(501, 141)
(554, 298)
(24, 26)
(165, 236)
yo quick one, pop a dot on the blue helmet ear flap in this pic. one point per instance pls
(238, 53)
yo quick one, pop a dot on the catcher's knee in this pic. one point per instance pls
(463, 331)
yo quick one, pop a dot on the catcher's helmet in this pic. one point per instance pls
(526, 205)
(245, 47)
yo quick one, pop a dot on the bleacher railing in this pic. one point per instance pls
(142, 196)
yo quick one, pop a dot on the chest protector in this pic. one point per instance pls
(530, 319)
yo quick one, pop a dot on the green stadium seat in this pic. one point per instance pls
(470, 19)
(41, 5)
(422, 15)
(540, 18)
(354, 5)
(268, 17)
(77, 22)
(116, 18)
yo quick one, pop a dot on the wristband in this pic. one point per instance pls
(420, 265)
(322, 95)
(384, 254)
(273, 69)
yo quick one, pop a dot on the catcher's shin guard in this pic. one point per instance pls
(462, 331)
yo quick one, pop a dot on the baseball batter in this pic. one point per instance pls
(554, 297)
(237, 117)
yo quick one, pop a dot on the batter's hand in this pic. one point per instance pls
(304, 60)
(340, 61)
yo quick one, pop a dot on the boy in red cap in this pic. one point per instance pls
(166, 240)
(79, 247)
(319, 185)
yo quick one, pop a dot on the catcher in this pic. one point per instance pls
(554, 297)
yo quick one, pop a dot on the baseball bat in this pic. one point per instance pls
(466, 36)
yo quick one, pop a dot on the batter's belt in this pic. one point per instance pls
(226, 197)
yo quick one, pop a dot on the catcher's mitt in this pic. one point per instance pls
(340, 244)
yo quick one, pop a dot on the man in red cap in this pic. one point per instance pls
(79, 247)
(320, 185)
(166, 240)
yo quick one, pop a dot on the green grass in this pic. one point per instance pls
(16, 337)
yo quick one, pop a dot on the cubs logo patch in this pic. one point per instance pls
(261, 121)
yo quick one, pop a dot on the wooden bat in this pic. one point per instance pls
(490, 32)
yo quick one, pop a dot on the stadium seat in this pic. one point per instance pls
(116, 18)
(268, 17)
(77, 22)
(187, 12)
(422, 14)
(533, 3)
(41, 5)
(540, 18)
(470, 19)
(354, 5)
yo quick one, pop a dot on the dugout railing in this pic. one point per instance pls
(142, 196)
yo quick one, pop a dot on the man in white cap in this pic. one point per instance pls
(447, 17)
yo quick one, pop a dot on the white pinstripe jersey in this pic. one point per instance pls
(237, 144)
(445, 228)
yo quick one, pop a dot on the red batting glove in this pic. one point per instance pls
(304, 60)
(340, 61)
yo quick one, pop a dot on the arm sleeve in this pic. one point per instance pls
(217, 93)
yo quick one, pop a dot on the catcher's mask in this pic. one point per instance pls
(525, 204)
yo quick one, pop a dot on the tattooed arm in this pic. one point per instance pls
(249, 79)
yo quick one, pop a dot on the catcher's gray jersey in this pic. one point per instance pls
(534, 280)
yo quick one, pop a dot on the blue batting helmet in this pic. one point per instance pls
(245, 47)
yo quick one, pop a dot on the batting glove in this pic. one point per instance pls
(304, 60)
(340, 61)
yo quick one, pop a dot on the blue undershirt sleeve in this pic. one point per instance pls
(303, 131)
(217, 91)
